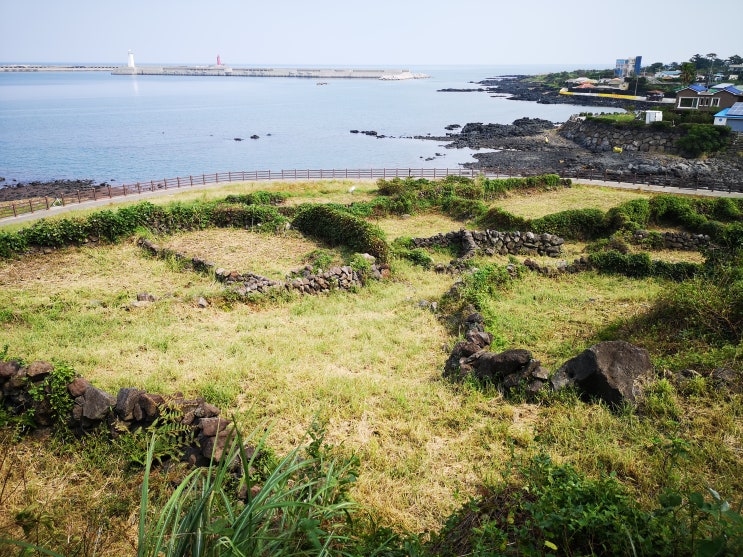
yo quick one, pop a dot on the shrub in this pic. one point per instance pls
(710, 307)
(498, 219)
(574, 224)
(340, 228)
(11, 244)
(636, 211)
(555, 509)
(636, 265)
(727, 210)
(703, 138)
(262, 217)
(463, 209)
(257, 198)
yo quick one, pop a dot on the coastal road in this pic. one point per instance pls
(110, 202)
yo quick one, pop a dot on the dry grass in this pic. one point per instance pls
(268, 255)
(576, 197)
(421, 225)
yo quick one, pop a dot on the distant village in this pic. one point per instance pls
(705, 83)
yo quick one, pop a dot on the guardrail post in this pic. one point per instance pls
(46, 200)
(178, 181)
(109, 192)
(78, 196)
(94, 195)
(139, 188)
(30, 205)
(191, 179)
(14, 211)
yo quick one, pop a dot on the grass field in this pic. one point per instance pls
(367, 364)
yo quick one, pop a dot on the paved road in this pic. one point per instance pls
(26, 217)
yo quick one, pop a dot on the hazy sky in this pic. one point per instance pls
(384, 32)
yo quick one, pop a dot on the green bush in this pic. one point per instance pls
(553, 509)
(710, 307)
(462, 209)
(498, 219)
(635, 211)
(340, 228)
(262, 217)
(703, 138)
(257, 198)
(639, 265)
(573, 224)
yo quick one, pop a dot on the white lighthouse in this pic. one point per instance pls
(130, 60)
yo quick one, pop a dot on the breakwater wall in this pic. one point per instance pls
(311, 73)
(600, 137)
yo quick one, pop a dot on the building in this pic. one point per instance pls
(627, 67)
(698, 97)
(732, 116)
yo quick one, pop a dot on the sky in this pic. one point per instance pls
(345, 33)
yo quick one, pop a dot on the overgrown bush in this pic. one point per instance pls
(709, 307)
(257, 198)
(340, 228)
(639, 265)
(462, 208)
(261, 217)
(703, 138)
(631, 214)
(552, 509)
(573, 224)
(498, 219)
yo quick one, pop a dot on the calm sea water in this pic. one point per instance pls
(137, 128)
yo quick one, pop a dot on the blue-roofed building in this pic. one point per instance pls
(732, 116)
(699, 97)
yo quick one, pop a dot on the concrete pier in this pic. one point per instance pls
(311, 73)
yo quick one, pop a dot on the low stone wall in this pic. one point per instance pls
(25, 389)
(598, 136)
(303, 281)
(493, 242)
(677, 240)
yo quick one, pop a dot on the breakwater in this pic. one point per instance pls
(311, 73)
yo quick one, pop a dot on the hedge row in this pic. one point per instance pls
(111, 226)
(720, 218)
(338, 227)
(639, 265)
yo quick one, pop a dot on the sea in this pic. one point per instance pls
(125, 129)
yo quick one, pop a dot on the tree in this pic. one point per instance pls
(734, 59)
(688, 73)
(699, 61)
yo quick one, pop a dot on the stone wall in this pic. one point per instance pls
(493, 242)
(598, 136)
(677, 240)
(25, 389)
(303, 281)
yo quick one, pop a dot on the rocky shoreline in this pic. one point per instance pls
(532, 146)
(17, 191)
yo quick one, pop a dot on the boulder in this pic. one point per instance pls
(608, 370)
(495, 366)
(9, 369)
(97, 404)
(37, 371)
